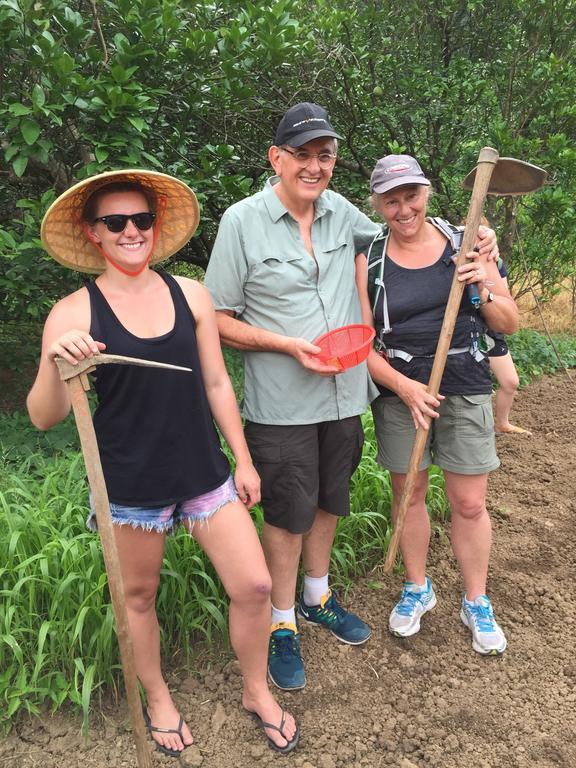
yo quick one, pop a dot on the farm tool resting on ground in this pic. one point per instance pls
(76, 377)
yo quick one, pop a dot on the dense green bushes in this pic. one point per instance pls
(196, 89)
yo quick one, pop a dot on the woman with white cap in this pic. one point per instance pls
(404, 283)
(160, 452)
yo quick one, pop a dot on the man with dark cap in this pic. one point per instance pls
(282, 273)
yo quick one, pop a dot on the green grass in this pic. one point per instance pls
(534, 356)
(57, 640)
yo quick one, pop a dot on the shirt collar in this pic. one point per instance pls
(277, 209)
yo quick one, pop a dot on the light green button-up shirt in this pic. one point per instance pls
(260, 269)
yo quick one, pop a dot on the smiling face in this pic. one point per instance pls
(404, 210)
(131, 248)
(301, 184)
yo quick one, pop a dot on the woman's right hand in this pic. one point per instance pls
(74, 346)
(420, 402)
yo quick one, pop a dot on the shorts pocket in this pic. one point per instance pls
(475, 413)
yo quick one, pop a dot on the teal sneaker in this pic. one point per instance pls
(285, 666)
(347, 627)
(487, 637)
(413, 604)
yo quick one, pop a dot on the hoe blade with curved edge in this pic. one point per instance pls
(511, 178)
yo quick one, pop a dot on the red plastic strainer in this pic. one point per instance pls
(346, 346)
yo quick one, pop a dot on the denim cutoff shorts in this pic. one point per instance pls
(165, 519)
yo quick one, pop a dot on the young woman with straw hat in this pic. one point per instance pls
(160, 452)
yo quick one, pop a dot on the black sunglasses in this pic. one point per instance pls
(116, 222)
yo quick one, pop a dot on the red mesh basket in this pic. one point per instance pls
(346, 346)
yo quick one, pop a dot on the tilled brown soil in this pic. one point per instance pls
(426, 701)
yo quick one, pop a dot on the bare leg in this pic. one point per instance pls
(231, 542)
(507, 377)
(317, 544)
(415, 537)
(140, 559)
(282, 550)
(471, 529)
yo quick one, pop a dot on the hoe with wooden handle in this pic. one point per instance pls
(492, 175)
(76, 379)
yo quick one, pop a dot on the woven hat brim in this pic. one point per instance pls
(62, 230)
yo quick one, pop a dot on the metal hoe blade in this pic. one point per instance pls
(511, 178)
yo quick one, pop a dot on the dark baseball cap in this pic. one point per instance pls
(396, 171)
(302, 123)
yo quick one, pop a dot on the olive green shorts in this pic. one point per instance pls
(461, 440)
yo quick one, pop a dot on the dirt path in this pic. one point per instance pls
(427, 701)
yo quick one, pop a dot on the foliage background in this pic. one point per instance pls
(196, 89)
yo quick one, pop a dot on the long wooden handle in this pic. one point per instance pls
(487, 160)
(79, 400)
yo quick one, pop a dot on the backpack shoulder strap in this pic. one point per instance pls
(452, 233)
(375, 264)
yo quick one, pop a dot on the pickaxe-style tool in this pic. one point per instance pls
(492, 175)
(77, 380)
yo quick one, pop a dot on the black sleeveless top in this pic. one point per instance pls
(157, 441)
(416, 306)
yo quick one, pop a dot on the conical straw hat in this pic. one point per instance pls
(62, 230)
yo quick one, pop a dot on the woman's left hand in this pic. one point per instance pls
(247, 482)
(474, 271)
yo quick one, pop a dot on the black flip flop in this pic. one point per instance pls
(161, 747)
(290, 745)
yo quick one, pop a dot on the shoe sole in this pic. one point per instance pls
(479, 648)
(346, 642)
(416, 628)
(283, 688)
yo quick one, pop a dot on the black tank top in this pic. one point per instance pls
(157, 441)
(416, 305)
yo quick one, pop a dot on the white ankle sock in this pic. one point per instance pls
(314, 589)
(288, 616)
(417, 587)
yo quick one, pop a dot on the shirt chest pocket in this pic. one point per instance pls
(281, 272)
(336, 262)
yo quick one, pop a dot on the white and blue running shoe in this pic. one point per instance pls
(487, 637)
(414, 602)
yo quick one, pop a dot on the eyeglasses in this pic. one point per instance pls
(303, 157)
(116, 222)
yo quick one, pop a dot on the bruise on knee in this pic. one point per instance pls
(256, 592)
